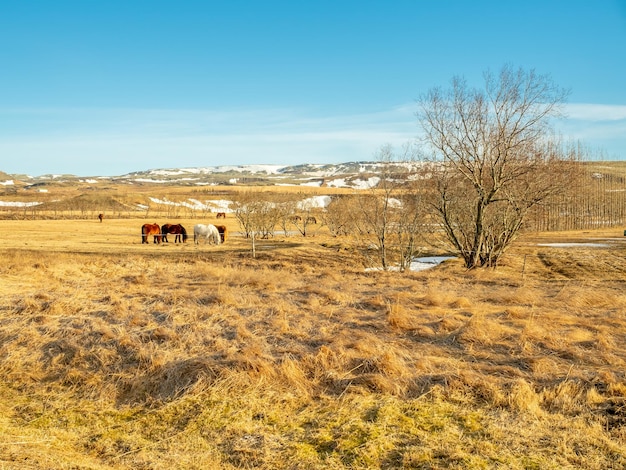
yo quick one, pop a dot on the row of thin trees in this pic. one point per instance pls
(594, 199)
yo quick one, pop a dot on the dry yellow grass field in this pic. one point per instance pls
(121, 355)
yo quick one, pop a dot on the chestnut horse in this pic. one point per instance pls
(222, 231)
(178, 230)
(221, 215)
(150, 229)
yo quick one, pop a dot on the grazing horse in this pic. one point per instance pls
(100, 216)
(150, 229)
(208, 232)
(178, 230)
(222, 230)
(221, 215)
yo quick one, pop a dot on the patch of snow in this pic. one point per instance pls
(574, 245)
(357, 183)
(419, 264)
(427, 262)
(319, 202)
(268, 169)
(365, 184)
(7, 183)
(337, 183)
(150, 180)
(221, 205)
(395, 203)
(18, 204)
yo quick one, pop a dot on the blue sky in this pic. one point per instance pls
(109, 87)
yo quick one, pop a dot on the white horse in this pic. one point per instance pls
(208, 232)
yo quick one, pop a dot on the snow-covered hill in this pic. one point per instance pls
(357, 175)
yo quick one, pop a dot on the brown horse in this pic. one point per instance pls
(150, 229)
(221, 215)
(100, 216)
(178, 230)
(222, 230)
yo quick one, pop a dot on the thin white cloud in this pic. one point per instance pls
(115, 141)
(601, 127)
(118, 141)
(595, 112)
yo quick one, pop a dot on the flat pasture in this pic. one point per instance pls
(120, 355)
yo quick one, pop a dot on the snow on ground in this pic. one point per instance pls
(221, 205)
(315, 202)
(427, 262)
(420, 264)
(337, 183)
(268, 169)
(366, 184)
(18, 204)
(357, 183)
(316, 184)
(150, 180)
(7, 183)
(574, 245)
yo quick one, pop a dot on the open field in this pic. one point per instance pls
(119, 355)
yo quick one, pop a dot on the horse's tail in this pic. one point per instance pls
(184, 232)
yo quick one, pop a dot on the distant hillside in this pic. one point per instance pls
(348, 175)
(355, 175)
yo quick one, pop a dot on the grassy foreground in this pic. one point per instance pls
(119, 355)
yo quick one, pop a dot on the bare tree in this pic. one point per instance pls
(286, 206)
(494, 158)
(340, 215)
(389, 214)
(305, 215)
(257, 216)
